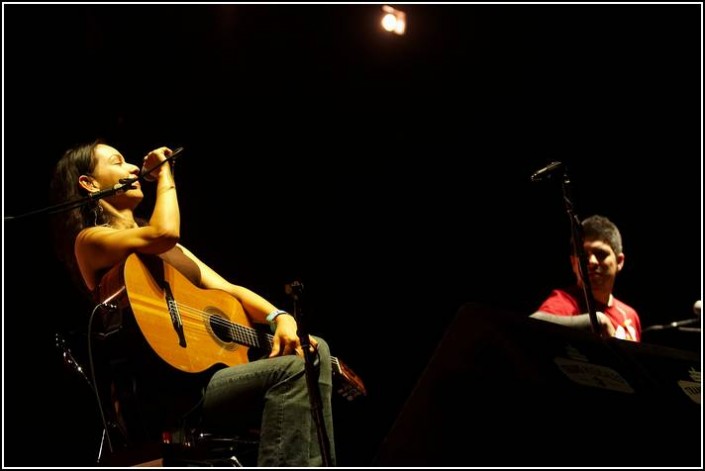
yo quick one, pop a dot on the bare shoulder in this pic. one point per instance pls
(90, 233)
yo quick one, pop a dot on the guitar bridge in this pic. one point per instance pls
(174, 314)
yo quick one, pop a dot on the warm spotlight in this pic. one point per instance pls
(393, 20)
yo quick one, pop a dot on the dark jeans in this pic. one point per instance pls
(272, 394)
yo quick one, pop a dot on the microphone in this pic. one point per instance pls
(546, 172)
(671, 325)
(114, 190)
(697, 309)
(294, 287)
(145, 172)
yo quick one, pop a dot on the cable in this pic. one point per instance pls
(93, 378)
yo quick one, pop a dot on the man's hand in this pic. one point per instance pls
(605, 324)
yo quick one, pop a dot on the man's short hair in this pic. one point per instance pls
(600, 228)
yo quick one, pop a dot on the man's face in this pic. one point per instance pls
(603, 265)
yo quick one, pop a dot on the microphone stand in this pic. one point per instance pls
(68, 205)
(295, 290)
(674, 325)
(124, 185)
(576, 235)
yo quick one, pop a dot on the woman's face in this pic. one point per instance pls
(110, 167)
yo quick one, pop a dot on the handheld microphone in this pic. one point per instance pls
(145, 172)
(546, 172)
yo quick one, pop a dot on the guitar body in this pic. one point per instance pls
(206, 316)
(189, 328)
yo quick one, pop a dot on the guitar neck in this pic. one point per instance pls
(256, 338)
(251, 337)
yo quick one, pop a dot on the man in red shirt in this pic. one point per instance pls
(603, 250)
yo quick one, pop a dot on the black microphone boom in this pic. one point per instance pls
(114, 190)
(546, 172)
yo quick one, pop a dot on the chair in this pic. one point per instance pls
(131, 386)
(190, 446)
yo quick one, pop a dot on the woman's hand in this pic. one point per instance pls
(153, 159)
(286, 341)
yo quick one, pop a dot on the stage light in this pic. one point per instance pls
(393, 20)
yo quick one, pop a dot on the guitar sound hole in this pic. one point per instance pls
(221, 327)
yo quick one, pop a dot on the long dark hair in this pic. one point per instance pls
(66, 225)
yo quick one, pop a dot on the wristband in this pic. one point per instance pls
(273, 315)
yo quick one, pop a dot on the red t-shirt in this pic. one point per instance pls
(570, 303)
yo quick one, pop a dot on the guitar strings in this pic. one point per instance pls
(196, 317)
(252, 336)
(247, 335)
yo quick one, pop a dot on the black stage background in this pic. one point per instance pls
(391, 174)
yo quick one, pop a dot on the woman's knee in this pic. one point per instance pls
(322, 346)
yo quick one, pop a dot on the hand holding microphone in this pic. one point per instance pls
(152, 162)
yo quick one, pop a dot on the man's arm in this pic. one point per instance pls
(580, 321)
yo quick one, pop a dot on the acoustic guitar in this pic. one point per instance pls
(193, 329)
